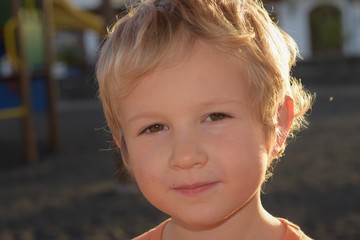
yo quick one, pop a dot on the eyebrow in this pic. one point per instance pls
(158, 114)
(144, 115)
(220, 102)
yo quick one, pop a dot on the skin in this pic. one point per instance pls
(197, 150)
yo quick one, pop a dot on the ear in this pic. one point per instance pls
(117, 142)
(285, 119)
(122, 148)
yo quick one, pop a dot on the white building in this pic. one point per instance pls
(321, 28)
(325, 28)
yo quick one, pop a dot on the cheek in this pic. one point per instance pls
(147, 177)
(144, 164)
(246, 169)
(243, 152)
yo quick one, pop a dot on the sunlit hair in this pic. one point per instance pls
(139, 41)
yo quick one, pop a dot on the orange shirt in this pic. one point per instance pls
(293, 232)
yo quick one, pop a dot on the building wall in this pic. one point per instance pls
(294, 18)
(352, 29)
(93, 4)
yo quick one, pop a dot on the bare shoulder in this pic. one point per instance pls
(293, 231)
(153, 234)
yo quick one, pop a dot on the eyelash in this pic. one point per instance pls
(157, 127)
(218, 117)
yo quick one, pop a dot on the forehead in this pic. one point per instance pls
(197, 59)
(194, 48)
(205, 74)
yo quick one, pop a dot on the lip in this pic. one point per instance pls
(192, 190)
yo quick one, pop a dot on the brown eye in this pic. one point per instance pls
(216, 117)
(154, 128)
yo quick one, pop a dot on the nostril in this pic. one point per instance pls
(187, 156)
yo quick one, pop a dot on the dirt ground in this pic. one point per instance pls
(75, 194)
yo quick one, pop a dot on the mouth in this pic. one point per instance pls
(195, 189)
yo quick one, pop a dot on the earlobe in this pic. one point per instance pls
(285, 119)
(116, 140)
(123, 150)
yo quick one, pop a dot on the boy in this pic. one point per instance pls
(199, 99)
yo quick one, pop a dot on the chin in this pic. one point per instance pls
(200, 223)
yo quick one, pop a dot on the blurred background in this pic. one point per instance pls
(60, 178)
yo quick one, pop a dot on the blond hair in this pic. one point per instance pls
(138, 42)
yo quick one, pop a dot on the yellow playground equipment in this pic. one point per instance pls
(28, 38)
(65, 16)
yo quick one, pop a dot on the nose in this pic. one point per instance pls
(187, 152)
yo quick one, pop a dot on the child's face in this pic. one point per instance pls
(196, 148)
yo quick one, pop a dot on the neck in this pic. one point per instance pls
(249, 222)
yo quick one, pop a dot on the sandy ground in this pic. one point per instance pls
(75, 194)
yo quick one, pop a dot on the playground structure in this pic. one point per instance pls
(28, 30)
